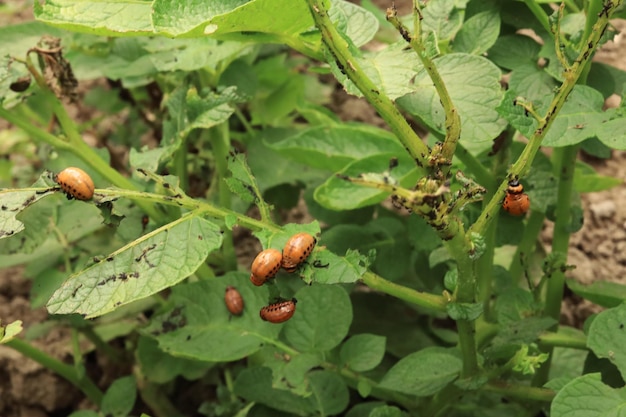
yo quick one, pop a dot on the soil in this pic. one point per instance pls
(598, 250)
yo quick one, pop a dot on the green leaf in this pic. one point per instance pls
(168, 55)
(144, 267)
(17, 39)
(363, 352)
(100, 17)
(514, 304)
(387, 411)
(255, 384)
(359, 24)
(464, 311)
(512, 335)
(604, 293)
(330, 394)
(198, 326)
(478, 33)
(530, 82)
(325, 267)
(322, 318)
(340, 194)
(334, 147)
(607, 336)
(15, 201)
(176, 19)
(160, 367)
(580, 118)
(443, 18)
(391, 70)
(271, 169)
(513, 51)
(613, 132)
(376, 314)
(423, 373)
(596, 148)
(242, 183)
(257, 21)
(475, 92)
(587, 180)
(84, 413)
(9, 331)
(363, 409)
(188, 110)
(295, 370)
(386, 235)
(577, 119)
(119, 399)
(607, 79)
(45, 284)
(587, 396)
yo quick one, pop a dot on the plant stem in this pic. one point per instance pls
(523, 163)
(75, 143)
(539, 14)
(349, 65)
(430, 301)
(521, 392)
(190, 204)
(179, 161)
(154, 397)
(220, 141)
(100, 344)
(566, 340)
(484, 268)
(452, 118)
(565, 161)
(465, 292)
(33, 131)
(68, 372)
(525, 247)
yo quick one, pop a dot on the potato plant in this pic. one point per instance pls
(422, 296)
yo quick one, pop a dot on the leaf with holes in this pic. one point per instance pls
(144, 267)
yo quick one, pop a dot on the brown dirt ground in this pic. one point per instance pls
(27, 389)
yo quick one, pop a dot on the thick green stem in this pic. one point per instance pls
(484, 271)
(522, 392)
(349, 65)
(460, 249)
(220, 141)
(68, 372)
(565, 160)
(566, 340)
(422, 299)
(533, 227)
(179, 161)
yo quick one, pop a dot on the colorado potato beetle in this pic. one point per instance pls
(279, 312)
(76, 183)
(265, 266)
(233, 300)
(516, 201)
(297, 249)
